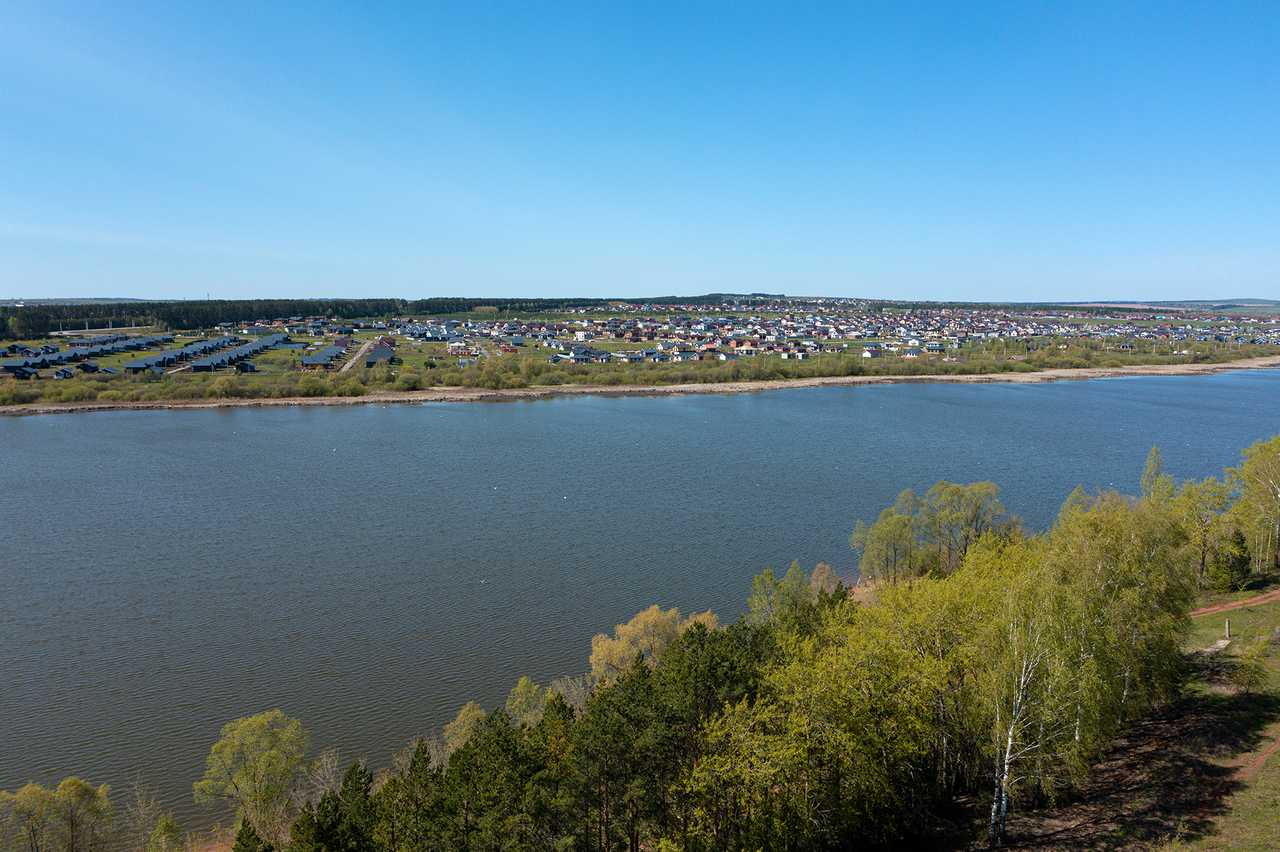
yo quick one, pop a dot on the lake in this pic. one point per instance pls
(370, 569)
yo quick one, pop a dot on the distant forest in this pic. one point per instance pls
(205, 314)
(35, 321)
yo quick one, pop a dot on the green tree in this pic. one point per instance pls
(953, 517)
(247, 840)
(1156, 485)
(613, 755)
(823, 579)
(1230, 570)
(457, 732)
(486, 782)
(342, 821)
(83, 816)
(771, 599)
(889, 547)
(1250, 672)
(165, 837)
(1257, 480)
(524, 704)
(829, 754)
(648, 634)
(410, 806)
(1121, 562)
(258, 766)
(1026, 679)
(1201, 509)
(30, 324)
(549, 799)
(27, 817)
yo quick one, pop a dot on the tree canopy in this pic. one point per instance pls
(257, 766)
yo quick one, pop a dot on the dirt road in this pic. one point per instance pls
(356, 359)
(1266, 597)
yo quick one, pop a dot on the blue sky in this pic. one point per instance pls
(974, 151)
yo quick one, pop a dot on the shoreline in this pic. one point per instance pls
(448, 394)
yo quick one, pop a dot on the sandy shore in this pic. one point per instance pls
(484, 395)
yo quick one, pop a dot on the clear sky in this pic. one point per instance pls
(975, 151)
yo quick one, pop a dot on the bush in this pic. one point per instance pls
(13, 392)
(69, 391)
(408, 382)
(313, 385)
(226, 387)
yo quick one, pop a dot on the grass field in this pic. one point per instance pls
(1250, 814)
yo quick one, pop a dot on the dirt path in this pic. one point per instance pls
(1266, 597)
(1253, 761)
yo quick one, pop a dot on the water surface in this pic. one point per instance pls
(369, 569)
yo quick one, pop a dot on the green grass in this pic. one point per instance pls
(1252, 821)
(1246, 624)
(1252, 589)
(1249, 815)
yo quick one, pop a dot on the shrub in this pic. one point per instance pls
(225, 387)
(408, 382)
(313, 385)
(13, 392)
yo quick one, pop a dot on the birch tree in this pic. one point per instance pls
(524, 704)
(27, 818)
(889, 547)
(1257, 480)
(82, 816)
(1201, 508)
(1156, 485)
(952, 517)
(1028, 684)
(1121, 563)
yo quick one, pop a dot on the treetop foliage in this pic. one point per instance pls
(917, 536)
(258, 766)
(647, 635)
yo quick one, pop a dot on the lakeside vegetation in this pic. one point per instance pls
(983, 677)
(279, 377)
(510, 344)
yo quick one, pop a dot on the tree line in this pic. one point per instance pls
(986, 662)
(33, 322)
(27, 323)
(1224, 532)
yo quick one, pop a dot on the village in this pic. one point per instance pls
(629, 334)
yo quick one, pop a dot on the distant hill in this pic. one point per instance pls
(1192, 305)
(104, 300)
